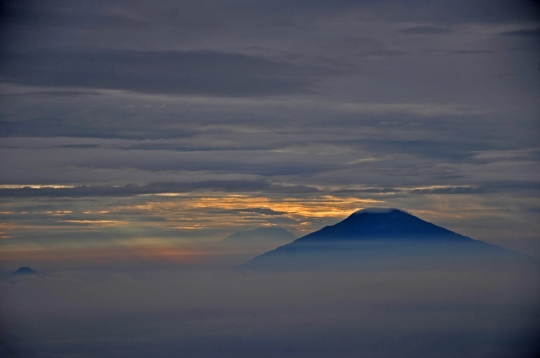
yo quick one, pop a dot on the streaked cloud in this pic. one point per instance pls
(426, 30)
(522, 33)
(173, 72)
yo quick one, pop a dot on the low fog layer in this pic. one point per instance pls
(220, 313)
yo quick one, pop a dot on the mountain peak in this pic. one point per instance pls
(376, 210)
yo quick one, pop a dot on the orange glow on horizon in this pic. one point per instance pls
(159, 227)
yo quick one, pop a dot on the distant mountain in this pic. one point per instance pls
(24, 271)
(266, 236)
(382, 239)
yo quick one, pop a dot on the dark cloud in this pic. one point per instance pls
(128, 190)
(426, 30)
(54, 127)
(263, 211)
(193, 72)
(385, 53)
(274, 167)
(464, 11)
(522, 33)
(448, 190)
(162, 187)
(472, 52)
(515, 187)
(62, 14)
(205, 13)
(85, 128)
(59, 93)
(366, 191)
(79, 146)
(262, 186)
(257, 211)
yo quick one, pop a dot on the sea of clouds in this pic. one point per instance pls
(190, 312)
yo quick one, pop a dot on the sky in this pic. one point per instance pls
(136, 132)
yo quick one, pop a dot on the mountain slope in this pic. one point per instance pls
(382, 224)
(382, 239)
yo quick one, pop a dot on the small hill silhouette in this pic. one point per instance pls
(23, 271)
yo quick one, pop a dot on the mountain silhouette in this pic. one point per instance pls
(379, 238)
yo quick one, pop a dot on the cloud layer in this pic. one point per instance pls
(202, 313)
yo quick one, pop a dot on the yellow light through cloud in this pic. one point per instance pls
(148, 227)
